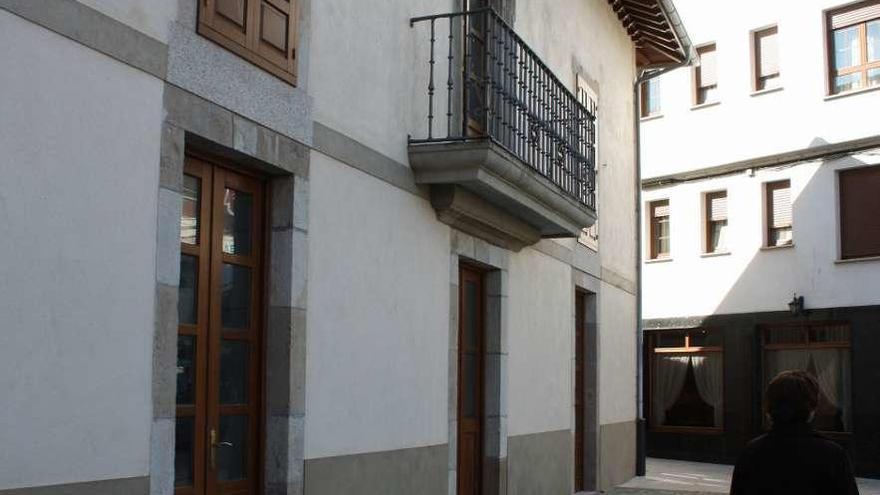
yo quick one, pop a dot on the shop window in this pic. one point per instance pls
(687, 380)
(823, 350)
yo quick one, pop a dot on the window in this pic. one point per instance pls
(650, 97)
(766, 58)
(706, 77)
(589, 145)
(778, 208)
(822, 349)
(854, 42)
(687, 379)
(859, 207)
(659, 229)
(716, 222)
(260, 31)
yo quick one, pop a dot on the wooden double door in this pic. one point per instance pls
(471, 371)
(217, 438)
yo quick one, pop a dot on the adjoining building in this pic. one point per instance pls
(321, 247)
(761, 197)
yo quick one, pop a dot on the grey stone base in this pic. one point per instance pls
(617, 457)
(122, 486)
(421, 470)
(541, 463)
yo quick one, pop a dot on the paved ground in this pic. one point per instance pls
(668, 477)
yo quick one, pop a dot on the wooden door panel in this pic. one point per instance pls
(580, 391)
(471, 376)
(228, 381)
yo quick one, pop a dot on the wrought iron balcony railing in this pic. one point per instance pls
(484, 82)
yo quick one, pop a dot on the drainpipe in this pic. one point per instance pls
(646, 73)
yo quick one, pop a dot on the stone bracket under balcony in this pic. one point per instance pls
(484, 190)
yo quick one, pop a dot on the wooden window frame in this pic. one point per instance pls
(653, 235)
(844, 253)
(697, 76)
(864, 66)
(708, 222)
(249, 45)
(653, 350)
(769, 187)
(758, 81)
(645, 99)
(807, 344)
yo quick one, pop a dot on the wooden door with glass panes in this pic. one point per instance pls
(471, 381)
(219, 337)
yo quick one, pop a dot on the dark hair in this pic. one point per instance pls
(791, 396)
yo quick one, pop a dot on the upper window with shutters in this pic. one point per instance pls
(854, 46)
(716, 222)
(778, 209)
(260, 31)
(859, 204)
(766, 59)
(706, 76)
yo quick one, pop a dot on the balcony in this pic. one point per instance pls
(508, 151)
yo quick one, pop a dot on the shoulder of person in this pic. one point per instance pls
(756, 443)
(829, 444)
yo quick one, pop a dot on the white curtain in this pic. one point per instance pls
(831, 373)
(709, 376)
(669, 375)
(783, 360)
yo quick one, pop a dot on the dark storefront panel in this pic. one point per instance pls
(743, 384)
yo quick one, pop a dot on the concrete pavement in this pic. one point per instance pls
(671, 477)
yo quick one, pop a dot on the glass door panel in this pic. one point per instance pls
(218, 368)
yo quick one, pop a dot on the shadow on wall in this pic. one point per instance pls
(772, 276)
(768, 281)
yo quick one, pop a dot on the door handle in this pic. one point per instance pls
(214, 445)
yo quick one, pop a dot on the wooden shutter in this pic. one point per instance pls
(276, 31)
(260, 31)
(857, 14)
(779, 204)
(660, 209)
(767, 53)
(708, 67)
(717, 205)
(228, 17)
(860, 212)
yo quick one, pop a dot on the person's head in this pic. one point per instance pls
(791, 397)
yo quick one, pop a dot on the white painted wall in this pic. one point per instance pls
(367, 66)
(751, 279)
(617, 355)
(745, 126)
(539, 344)
(378, 316)
(151, 17)
(370, 84)
(586, 37)
(79, 172)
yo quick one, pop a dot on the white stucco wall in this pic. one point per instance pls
(366, 67)
(539, 344)
(151, 17)
(586, 37)
(79, 172)
(742, 125)
(746, 126)
(378, 316)
(617, 355)
(751, 279)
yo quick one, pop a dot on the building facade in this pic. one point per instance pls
(320, 247)
(761, 237)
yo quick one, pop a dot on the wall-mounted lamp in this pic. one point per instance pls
(796, 306)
